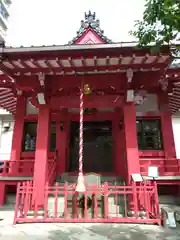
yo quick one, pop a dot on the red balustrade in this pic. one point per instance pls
(25, 168)
(166, 167)
(102, 203)
(17, 168)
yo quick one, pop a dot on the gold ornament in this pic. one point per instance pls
(87, 89)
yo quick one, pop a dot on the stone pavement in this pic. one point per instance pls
(81, 231)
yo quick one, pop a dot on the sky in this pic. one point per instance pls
(43, 22)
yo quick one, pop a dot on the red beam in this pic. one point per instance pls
(173, 71)
(95, 81)
(4, 77)
(28, 83)
(89, 102)
(98, 116)
(7, 84)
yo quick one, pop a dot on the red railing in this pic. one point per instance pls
(130, 204)
(16, 168)
(26, 168)
(166, 167)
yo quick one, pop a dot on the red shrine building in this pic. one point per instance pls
(130, 95)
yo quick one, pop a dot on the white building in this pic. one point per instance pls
(4, 15)
(6, 132)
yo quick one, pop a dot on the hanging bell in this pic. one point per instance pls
(87, 89)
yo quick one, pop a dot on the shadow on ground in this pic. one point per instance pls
(108, 231)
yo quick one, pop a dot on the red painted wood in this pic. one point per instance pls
(167, 130)
(2, 193)
(112, 101)
(150, 154)
(18, 129)
(20, 168)
(41, 155)
(166, 167)
(89, 36)
(99, 116)
(148, 202)
(168, 137)
(28, 83)
(31, 155)
(130, 136)
(96, 81)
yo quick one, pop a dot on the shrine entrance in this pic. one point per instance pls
(98, 147)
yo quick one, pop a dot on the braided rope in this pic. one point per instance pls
(80, 181)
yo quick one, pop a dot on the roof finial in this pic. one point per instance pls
(89, 18)
(90, 21)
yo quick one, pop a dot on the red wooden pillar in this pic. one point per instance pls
(130, 137)
(166, 126)
(18, 131)
(41, 154)
(2, 193)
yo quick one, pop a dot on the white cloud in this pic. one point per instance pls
(43, 22)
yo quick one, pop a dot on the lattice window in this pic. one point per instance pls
(149, 134)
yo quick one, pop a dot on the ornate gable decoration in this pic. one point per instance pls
(90, 24)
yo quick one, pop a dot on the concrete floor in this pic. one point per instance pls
(81, 231)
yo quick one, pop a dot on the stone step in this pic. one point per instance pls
(112, 208)
(168, 217)
(60, 206)
(91, 179)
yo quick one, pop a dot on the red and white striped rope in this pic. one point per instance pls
(81, 132)
(80, 181)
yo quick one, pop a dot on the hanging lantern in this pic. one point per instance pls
(87, 89)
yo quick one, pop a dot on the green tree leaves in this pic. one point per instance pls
(160, 24)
